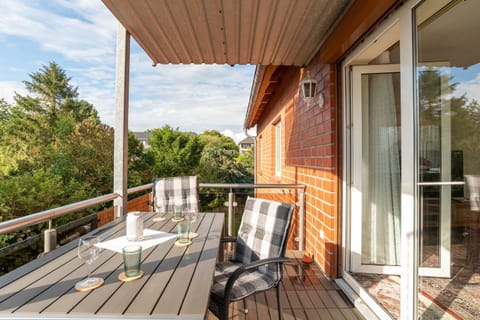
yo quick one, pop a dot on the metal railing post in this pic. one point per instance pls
(230, 213)
(49, 238)
(301, 221)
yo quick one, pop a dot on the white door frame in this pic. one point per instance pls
(444, 270)
(357, 159)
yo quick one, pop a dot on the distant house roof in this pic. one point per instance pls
(248, 140)
(142, 136)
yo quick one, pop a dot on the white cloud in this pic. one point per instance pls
(239, 136)
(83, 33)
(8, 89)
(191, 97)
(471, 88)
(87, 36)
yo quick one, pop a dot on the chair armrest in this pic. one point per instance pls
(228, 239)
(234, 276)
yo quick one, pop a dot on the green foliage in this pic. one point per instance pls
(434, 86)
(220, 166)
(54, 151)
(28, 193)
(53, 148)
(175, 153)
(214, 140)
(220, 160)
(51, 86)
(437, 102)
(140, 163)
(4, 113)
(84, 154)
(245, 159)
(41, 120)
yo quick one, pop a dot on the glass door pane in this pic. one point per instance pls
(435, 171)
(448, 133)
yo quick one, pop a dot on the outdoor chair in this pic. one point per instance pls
(173, 191)
(259, 254)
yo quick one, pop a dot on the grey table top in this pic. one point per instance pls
(176, 283)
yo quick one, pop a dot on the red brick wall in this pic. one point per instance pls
(105, 216)
(138, 204)
(309, 156)
(141, 203)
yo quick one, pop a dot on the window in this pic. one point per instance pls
(278, 149)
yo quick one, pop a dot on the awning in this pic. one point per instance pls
(265, 32)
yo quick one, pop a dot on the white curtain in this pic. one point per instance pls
(381, 173)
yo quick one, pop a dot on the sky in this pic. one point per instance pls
(80, 36)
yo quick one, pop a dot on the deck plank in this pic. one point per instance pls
(306, 294)
(207, 261)
(169, 300)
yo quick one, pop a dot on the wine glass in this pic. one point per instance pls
(191, 215)
(161, 211)
(88, 253)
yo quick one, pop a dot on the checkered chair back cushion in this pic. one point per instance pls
(263, 233)
(173, 191)
(472, 191)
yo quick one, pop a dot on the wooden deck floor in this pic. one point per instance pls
(306, 294)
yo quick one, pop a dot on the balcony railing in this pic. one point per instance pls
(50, 234)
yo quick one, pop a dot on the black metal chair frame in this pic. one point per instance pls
(225, 304)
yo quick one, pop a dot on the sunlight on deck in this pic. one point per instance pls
(306, 294)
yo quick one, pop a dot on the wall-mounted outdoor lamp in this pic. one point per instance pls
(309, 89)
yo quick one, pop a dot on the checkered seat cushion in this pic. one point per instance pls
(248, 282)
(262, 235)
(172, 191)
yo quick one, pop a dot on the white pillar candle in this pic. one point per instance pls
(134, 226)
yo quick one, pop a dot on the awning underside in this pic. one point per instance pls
(265, 32)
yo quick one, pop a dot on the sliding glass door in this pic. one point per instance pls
(448, 134)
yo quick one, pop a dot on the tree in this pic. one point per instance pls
(54, 151)
(35, 120)
(53, 148)
(219, 163)
(245, 159)
(174, 153)
(437, 101)
(4, 114)
(83, 151)
(52, 88)
(140, 163)
(212, 139)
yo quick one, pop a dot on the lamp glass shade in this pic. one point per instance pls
(308, 87)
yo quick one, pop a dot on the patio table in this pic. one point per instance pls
(176, 281)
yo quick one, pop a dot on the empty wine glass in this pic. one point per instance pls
(191, 215)
(88, 253)
(160, 212)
